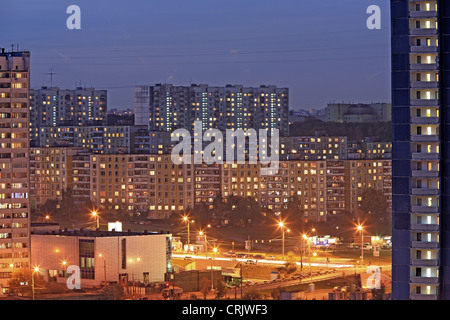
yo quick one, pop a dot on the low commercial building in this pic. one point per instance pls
(102, 256)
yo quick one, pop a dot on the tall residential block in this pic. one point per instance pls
(420, 150)
(164, 107)
(55, 107)
(14, 152)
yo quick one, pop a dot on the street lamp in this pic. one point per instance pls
(206, 243)
(36, 269)
(188, 221)
(96, 216)
(360, 228)
(282, 226)
(212, 273)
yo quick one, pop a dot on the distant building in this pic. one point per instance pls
(164, 107)
(98, 139)
(313, 148)
(55, 107)
(347, 112)
(102, 256)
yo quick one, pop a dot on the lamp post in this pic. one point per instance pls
(212, 271)
(282, 226)
(360, 228)
(36, 269)
(96, 216)
(188, 221)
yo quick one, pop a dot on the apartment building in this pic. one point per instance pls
(98, 139)
(14, 157)
(164, 107)
(420, 203)
(141, 184)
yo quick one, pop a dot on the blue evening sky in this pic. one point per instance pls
(320, 49)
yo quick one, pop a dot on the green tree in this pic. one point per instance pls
(251, 294)
(221, 289)
(22, 279)
(205, 287)
(67, 203)
(201, 215)
(374, 206)
(293, 210)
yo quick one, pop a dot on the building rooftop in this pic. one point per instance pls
(93, 233)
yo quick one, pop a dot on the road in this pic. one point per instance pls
(335, 264)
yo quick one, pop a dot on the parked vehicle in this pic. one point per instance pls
(172, 292)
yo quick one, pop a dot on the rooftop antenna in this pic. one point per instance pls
(12, 47)
(51, 73)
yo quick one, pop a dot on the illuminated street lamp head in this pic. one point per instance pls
(185, 218)
(305, 237)
(138, 259)
(215, 250)
(359, 227)
(36, 269)
(281, 224)
(200, 233)
(11, 265)
(94, 213)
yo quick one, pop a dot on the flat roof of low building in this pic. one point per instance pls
(96, 233)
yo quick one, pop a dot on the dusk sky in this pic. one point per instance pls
(321, 50)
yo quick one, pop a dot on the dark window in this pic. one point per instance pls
(124, 253)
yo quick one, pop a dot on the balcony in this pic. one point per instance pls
(425, 156)
(424, 49)
(425, 227)
(424, 85)
(422, 14)
(415, 296)
(424, 245)
(425, 138)
(424, 67)
(425, 120)
(425, 262)
(424, 209)
(424, 280)
(425, 192)
(423, 32)
(425, 102)
(425, 174)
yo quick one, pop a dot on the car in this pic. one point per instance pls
(229, 254)
(187, 258)
(241, 255)
(251, 262)
(258, 256)
(271, 258)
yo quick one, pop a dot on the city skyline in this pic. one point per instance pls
(262, 45)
